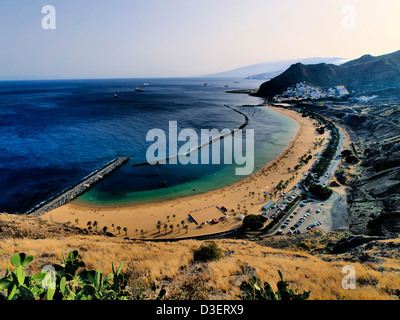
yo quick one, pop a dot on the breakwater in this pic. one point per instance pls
(77, 189)
(242, 126)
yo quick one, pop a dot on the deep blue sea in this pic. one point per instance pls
(54, 133)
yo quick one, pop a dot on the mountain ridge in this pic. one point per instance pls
(270, 69)
(366, 72)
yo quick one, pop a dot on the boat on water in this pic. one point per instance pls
(206, 84)
(138, 90)
(145, 84)
(115, 95)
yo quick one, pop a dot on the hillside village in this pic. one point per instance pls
(305, 91)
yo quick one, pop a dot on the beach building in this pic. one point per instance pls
(268, 206)
(208, 215)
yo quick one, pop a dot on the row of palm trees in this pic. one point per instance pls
(95, 225)
(171, 226)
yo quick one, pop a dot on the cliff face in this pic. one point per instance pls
(375, 198)
(367, 72)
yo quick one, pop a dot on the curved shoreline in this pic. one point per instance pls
(171, 212)
(200, 194)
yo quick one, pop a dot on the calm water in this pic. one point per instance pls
(53, 133)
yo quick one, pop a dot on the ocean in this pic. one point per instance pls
(54, 133)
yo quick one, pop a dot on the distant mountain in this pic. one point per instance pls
(268, 70)
(365, 73)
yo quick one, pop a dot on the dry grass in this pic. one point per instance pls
(172, 262)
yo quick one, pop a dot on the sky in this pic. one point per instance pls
(181, 38)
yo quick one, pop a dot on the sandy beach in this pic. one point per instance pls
(244, 196)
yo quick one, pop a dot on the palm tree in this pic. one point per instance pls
(76, 221)
(142, 233)
(95, 224)
(186, 227)
(126, 230)
(171, 227)
(105, 228)
(89, 224)
(165, 228)
(159, 227)
(119, 229)
(179, 228)
(183, 223)
(113, 225)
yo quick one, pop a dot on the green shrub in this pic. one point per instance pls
(252, 222)
(207, 252)
(320, 191)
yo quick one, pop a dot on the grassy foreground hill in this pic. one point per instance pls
(307, 262)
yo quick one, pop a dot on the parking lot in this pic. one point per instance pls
(308, 215)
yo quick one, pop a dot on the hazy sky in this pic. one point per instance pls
(161, 38)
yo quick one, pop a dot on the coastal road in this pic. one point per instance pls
(282, 203)
(319, 211)
(335, 161)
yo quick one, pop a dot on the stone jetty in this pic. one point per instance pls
(77, 189)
